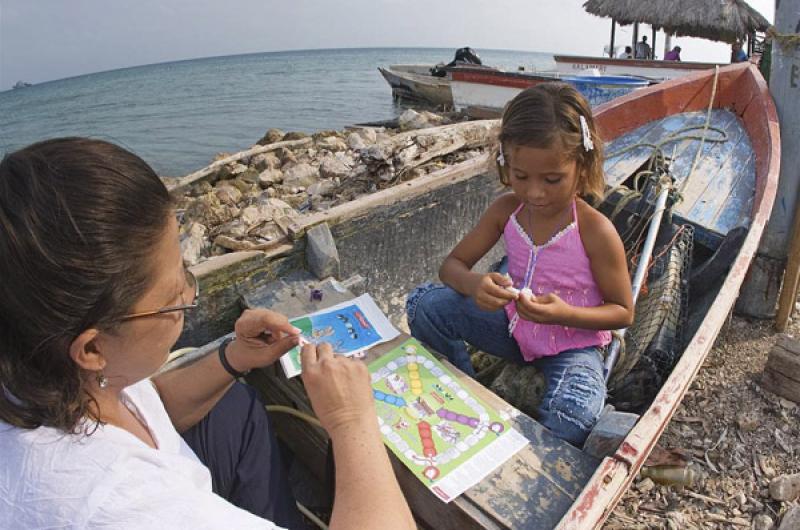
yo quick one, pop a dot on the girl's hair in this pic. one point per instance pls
(78, 221)
(547, 115)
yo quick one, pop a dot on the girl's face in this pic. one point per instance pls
(542, 178)
(140, 346)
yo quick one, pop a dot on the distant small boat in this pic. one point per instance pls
(653, 70)
(21, 84)
(429, 83)
(416, 83)
(483, 93)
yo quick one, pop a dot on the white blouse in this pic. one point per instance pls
(111, 479)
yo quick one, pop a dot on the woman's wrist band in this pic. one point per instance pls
(224, 360)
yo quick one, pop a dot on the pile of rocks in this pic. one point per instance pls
(246, 201)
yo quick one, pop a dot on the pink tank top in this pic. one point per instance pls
(562, 267)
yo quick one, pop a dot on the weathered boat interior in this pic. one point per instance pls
(711, 163)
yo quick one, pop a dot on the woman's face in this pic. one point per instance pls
(138, 347)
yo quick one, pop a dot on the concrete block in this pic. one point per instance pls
(608, 433)
(322, 256)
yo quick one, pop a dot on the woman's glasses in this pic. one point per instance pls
(191, 292)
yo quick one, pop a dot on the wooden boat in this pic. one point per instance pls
(414, 82)
(392, 240)
(654, 70)
(484, 93)
(740, 192)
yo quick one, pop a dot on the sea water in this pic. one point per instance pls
(178, 115)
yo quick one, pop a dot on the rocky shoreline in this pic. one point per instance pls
(247, 201)
(743, 442)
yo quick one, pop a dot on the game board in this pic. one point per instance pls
(447, 437)
(349, 327)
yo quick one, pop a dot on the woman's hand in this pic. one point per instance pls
(490, 291)
(544, 309)
(338, 387)
(262, 337)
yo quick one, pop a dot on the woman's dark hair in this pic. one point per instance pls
(78, 222)
(547, 115)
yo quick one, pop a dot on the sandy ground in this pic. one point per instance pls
(740, 438)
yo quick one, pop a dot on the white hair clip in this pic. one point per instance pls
(501, 159)
(588, 145)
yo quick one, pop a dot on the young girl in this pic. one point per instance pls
(567, 281)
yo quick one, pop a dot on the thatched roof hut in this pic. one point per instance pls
(720, 20)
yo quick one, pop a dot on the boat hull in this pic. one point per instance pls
(484, 93)
(655, 70)
(741, 89)
(416, 86)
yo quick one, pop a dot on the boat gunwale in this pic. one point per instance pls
(616, 472)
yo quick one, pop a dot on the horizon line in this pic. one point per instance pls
(189, 59)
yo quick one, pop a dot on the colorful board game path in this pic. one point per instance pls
(446, 436)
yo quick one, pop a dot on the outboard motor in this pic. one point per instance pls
(464, 55)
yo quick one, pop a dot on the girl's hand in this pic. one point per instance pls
(338, 387)
(490, 292)
(544, 309)
(262, 337)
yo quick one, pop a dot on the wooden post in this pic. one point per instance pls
(613, 31)
(791, 279)
(782, 371)
(667, 43)
(760, 291)
(635, 37)
(653, 44)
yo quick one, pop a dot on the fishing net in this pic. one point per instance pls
(653, 344)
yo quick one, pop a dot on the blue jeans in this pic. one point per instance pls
(445, 319)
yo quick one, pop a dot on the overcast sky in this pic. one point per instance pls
(41, 40)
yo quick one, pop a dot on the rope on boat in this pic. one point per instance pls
(655, 169)
(657, 155)
(310, 515)
(657, 151)
(296, 413)
(784, 40)
(705, 128)
(657, 180)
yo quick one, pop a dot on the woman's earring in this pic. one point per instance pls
(102, 380)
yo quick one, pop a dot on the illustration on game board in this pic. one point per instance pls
(348, 327)
(445, 435)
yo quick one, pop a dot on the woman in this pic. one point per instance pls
(92, 298)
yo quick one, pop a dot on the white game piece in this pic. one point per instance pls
(526, 292)
(513, 290)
